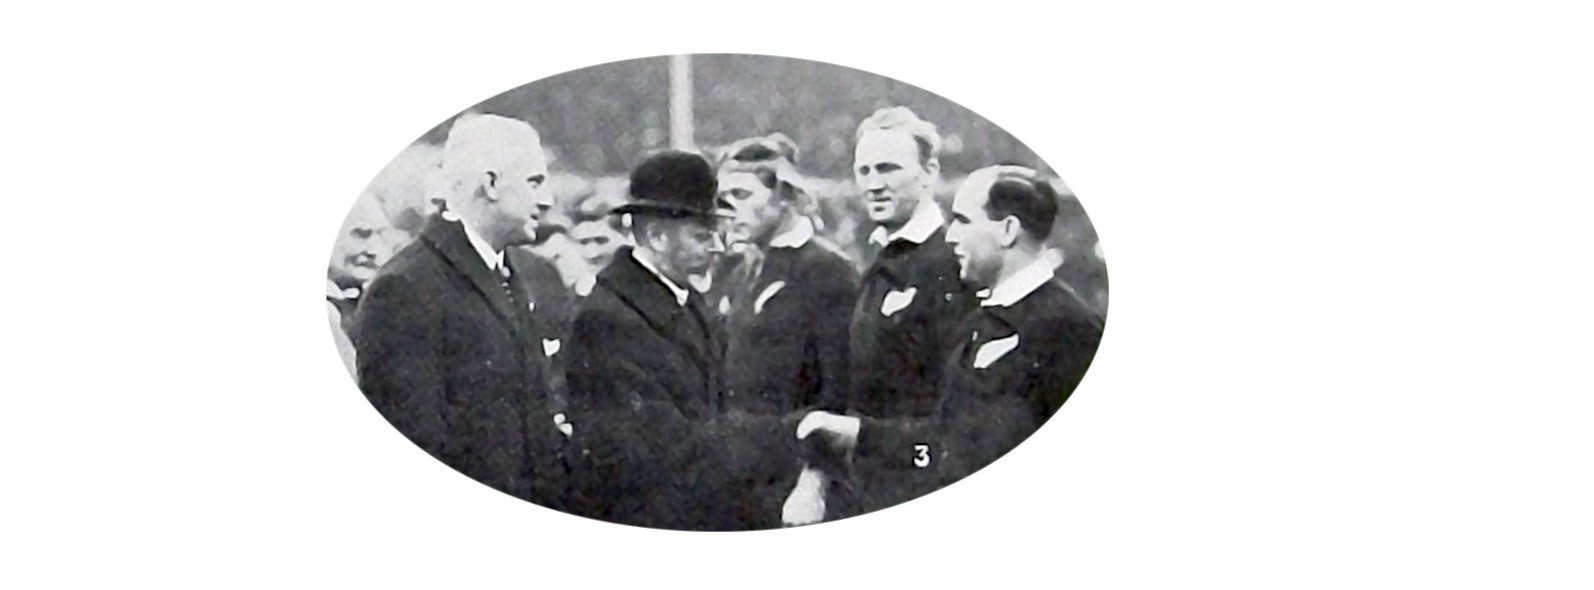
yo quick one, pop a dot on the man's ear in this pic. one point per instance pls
(933, 166)
(1011, 228)
(655, 238)
(487, 186)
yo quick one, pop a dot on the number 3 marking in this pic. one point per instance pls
(921, 455)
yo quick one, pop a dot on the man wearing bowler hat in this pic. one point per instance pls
(645, 370)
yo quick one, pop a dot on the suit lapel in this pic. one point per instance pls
(639, 289)
(449, 240)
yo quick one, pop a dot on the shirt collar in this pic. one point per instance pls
(926, 219)
(494, 259)
(680, 294)
(1022, 283)
(796, 237)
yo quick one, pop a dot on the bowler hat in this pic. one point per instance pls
(672, 184)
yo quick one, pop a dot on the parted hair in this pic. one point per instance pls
(1023, 194)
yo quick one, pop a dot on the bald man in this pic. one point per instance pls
(447, 348)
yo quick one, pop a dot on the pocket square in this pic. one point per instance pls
(550, 347)
(770, 291)
(806, 503)
(995, 349)
(897, 301)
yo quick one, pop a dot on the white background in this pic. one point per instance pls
(1348, 345)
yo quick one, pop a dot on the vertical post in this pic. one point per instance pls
(681, 102)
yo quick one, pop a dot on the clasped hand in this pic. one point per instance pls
(840, 432)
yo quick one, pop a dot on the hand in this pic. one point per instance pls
(838, 430)
(806, 504)
(564, 427)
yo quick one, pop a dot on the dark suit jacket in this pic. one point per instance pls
(446, 357)
(986, 409)
(644, 378)
(896, 358)
(554, 310)
(787, 332)
(786, 351)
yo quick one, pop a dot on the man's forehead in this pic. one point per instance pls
(366, 214)
(974, 190)
(589, 228)
(530, 159)
(743, 180)
(886, 144)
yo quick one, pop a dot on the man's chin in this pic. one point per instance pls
(352, 276)
(523, 238)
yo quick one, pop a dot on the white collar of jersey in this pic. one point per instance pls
(680, 294)
(1023, 282)
(926, 219)
(493, 259)
(796, 237)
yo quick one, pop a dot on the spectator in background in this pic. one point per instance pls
(1083, 272)
(407, 190)
(597, 234)
(362, 247)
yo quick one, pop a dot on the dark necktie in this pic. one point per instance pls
(504, 277)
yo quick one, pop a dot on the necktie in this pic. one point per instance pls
(503, 281)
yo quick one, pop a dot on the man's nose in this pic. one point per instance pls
(717, 245)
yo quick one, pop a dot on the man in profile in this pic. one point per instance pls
(645, 370)
(910, 297)
(446, 347)
(1018, 356)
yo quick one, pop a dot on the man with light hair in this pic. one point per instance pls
(910, 297)
(446, 341)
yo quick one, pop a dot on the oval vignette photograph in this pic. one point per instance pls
(717, 292)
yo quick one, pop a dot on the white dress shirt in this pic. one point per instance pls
(796, 236)
(493, 258)
(1022, 283)
(925, 220)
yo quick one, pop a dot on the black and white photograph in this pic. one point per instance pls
(818, 295)
(717, 292)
